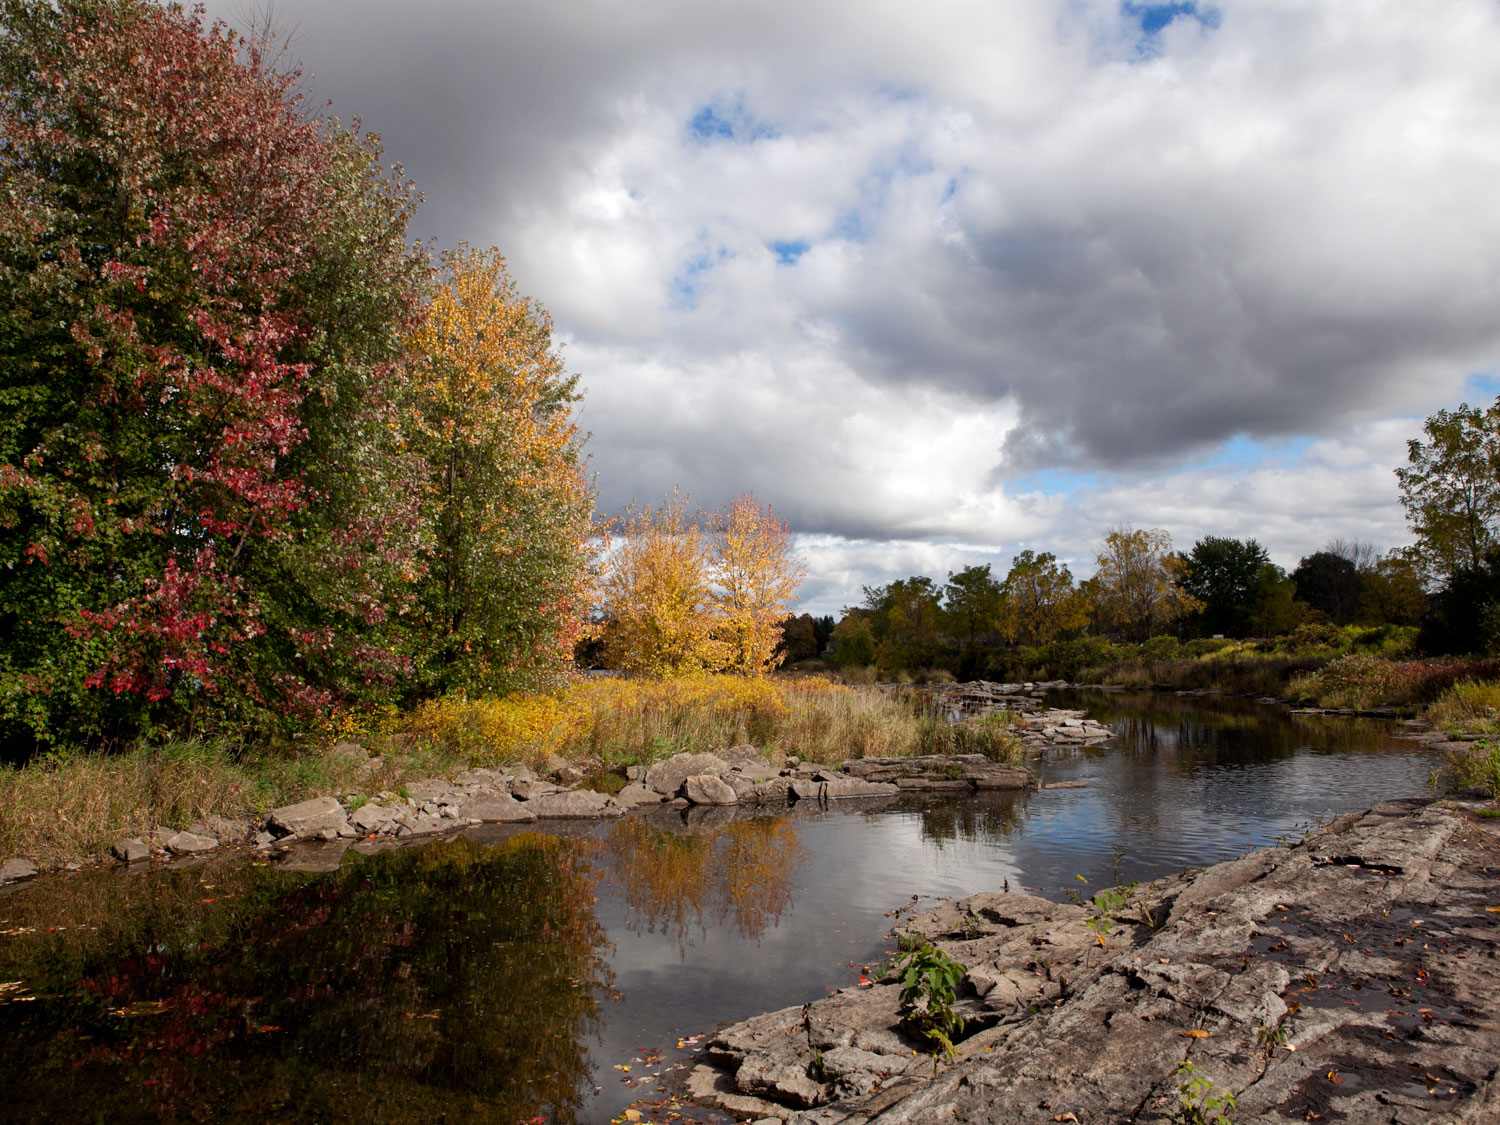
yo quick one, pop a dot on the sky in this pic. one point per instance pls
(942, 282)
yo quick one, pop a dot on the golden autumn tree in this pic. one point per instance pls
(756, 579)
(490, 405)
(657, 594)
(1136, 587)
(1041, 603)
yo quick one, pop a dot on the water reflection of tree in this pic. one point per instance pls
(987, 818)
(411, 984)
(740, 875)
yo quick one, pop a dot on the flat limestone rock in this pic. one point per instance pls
(1379, 927)
(574, 804)
(666, 777)
(18, 868)
(306, 819)
(811, 790)
(190, 843)
(501, 808)
(635, 795)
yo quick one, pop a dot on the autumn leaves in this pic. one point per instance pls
(684, 595)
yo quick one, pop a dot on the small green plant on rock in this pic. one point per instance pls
(1200, 1101)
(929, 985)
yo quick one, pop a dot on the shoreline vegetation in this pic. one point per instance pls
(68, 807)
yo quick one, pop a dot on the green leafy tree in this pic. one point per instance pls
(1390, 591)
(854, 640)
(1329, 584)
(1138, 582)
(1223, 574)
(207, 517)
(972, 604)
(509, 508)
(1041, 604)
(1274, 608)
(1450, 489)
(904, 616)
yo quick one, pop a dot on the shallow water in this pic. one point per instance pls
(508, 976)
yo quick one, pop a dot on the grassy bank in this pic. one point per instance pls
(70, 806)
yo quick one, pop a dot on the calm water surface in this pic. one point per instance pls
(507, 977)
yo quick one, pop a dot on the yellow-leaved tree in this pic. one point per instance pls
(1136, 587)
(510, 508)
(679, 600)
(657, 596)
(756, 579)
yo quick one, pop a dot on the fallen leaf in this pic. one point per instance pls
(1196, 1033)
(1065, 1117)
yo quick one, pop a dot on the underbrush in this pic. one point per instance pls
(1477, 767)
(626, 721)
(1360, 681)
(68, 805)
(1468, 707)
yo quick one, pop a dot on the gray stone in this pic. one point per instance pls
(708, 789)
(419, 824)
(666, 777)
(529, 789)
(18, 868)
(190, 843)
(635, 795)
(350, 750)
(264, 839)
(575, 804)
(430, 789)
(810, 790)
(131, 849)
(307, 818)
(770, 791)
(373, 817)
(501, 808)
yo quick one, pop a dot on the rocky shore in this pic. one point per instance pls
(517, 794)
(1352, 976)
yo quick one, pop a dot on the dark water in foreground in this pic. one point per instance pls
(508, 977)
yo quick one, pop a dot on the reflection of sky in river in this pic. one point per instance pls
(1172, 791)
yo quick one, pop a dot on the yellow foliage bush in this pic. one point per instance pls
(641, 720)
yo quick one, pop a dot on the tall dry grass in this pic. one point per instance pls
(70, 806)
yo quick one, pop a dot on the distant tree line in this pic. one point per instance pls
(1445, 586)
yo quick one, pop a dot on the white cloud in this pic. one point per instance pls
(948, 244)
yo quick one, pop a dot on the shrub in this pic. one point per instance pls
(1468, 707)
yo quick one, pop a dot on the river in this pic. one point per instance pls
(514, 976)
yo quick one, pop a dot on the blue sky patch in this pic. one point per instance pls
(1053, 482)
(1154, 17)
(1481, 387)
(727, 120)
(789, 251)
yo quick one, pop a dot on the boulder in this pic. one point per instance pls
(709, 789)
(574, 804)
(17, 868)
(131, 850)
(190, 843)
(500, 808)
(306, 819)
(771, 791)
(666, 777)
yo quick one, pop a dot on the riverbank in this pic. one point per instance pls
(1353, 975)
